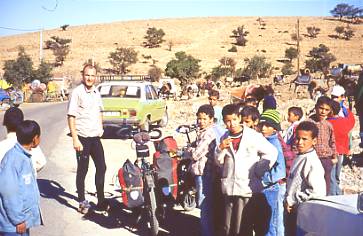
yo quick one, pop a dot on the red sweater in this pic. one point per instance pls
(342, 126)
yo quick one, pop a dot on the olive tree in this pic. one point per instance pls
(153, 37)
(122, 58)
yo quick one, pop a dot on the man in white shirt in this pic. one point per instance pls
(12, 117)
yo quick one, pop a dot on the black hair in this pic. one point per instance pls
(323, 100)
(250, 111)
(297, 111)
(12, 118)
(26, 131)
(207, 109)
(308, 126)
(335, 107)
(251, 100)
(213, 93)
(230, 109)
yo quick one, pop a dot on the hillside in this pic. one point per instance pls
(207, 39)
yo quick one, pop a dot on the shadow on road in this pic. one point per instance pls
(53, 190)
(176, 222)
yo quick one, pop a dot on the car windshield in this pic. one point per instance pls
(122, 91)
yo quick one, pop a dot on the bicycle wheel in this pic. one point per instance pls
(154, 224)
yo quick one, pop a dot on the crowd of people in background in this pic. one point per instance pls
(251, 174)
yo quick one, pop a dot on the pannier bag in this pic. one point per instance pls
(166, 167)
(130, 179)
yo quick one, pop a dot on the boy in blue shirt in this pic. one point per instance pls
(274, 180)
(19, 193)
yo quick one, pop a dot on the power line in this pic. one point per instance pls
(17, 29)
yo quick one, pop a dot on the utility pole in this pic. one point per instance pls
(41, 46)
(298, 47)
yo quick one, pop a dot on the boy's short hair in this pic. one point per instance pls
(335, 107)
(230, 109)
(323, 100)
(207, 109)
(250, 111)
(26, 131)
(88, 66)
(251, 100)
(213, 93)
(297, 111)
(12, 118)
(308, 126)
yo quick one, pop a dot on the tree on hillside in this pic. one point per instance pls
(60, 48)
(229, 65)
(294, 37)
(339, 30)
(341, 10)
(348, 33)
(184, 67)
(257, 67)
(123, 58)
(287, 69)
(291, 53)
(19, 71)
(320, 58)
(240, 34)
(153, 37)
(155, 73)
(44, 72)
(345, 10)
(312, 31)
(64, 27)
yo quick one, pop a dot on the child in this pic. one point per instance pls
(251, 101)
(294, 116)
(204, 166)
(19, 193)
(325, 143)
(274, 180)
(247, 151)
(341, 126)
(213, 100)
(306, 179)
(250, 116)
(12, 118)
(338, 94)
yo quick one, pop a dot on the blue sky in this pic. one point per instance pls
(30, 15)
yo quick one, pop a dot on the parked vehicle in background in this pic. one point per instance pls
(132, 101)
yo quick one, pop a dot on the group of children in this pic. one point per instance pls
(256, 174)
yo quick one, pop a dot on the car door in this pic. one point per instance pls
(156, 106)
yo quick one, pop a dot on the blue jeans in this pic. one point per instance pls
(335, 177)
(14, 233)
(275, 196)
(204, 185)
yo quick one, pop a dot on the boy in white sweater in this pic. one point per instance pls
(306, 179)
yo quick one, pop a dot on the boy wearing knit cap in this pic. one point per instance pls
(274, 180)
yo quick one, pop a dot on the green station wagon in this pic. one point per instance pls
(132, 102)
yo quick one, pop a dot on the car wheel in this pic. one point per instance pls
(164, 120)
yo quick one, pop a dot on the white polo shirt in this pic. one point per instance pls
(86, 105)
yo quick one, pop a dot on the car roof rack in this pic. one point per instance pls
(114, 77)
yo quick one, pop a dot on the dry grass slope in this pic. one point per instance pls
(207, 39)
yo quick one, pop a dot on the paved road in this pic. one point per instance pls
(57, 185)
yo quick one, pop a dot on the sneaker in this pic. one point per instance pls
(102, 206)
(84, 207)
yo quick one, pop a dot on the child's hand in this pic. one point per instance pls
(21, 228)
(225, 143)
(334, 161)
(288, 208)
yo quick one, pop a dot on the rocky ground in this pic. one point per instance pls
(183, 112)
